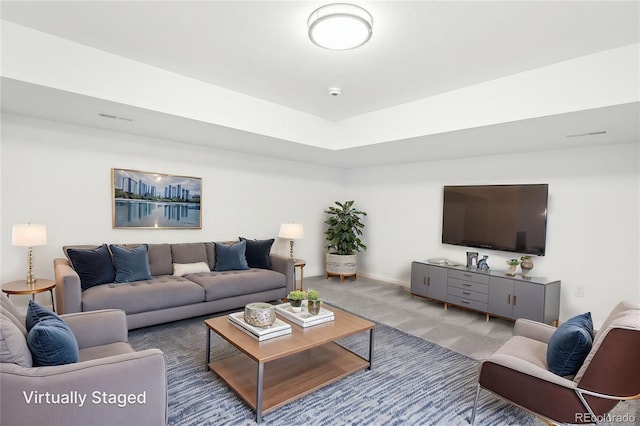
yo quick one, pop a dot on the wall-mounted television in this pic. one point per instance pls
(497, 217)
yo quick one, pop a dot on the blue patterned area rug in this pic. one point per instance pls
(413, 382)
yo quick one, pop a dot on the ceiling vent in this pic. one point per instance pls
(114, 117)
(579, 135)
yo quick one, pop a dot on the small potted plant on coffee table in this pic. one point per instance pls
(295, 299)
(313, 302)
(513, 264)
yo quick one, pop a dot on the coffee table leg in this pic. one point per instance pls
(259, 392)
(371, 333)
(208, 349)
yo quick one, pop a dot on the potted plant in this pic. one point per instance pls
(343, 236)
(313, 302)
(526, 264)
(295, 299)
(513, 264)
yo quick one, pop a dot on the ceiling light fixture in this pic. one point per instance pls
(340, 26)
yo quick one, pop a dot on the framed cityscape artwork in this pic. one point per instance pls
(155, 200)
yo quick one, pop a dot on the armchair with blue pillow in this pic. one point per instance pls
(76, 369)
(567, 374)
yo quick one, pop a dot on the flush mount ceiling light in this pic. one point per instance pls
(340, 26)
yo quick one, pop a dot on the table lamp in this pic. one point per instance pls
(291, 231)
(29, 235)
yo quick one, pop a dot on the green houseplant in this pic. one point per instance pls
(313, 302)
(513, 264)
(343, 237)
(295, 299)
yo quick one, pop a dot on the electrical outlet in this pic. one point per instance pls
(579, 291)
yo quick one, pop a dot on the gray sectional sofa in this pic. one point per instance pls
(165, 297)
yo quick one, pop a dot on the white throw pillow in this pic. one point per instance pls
(180, 269)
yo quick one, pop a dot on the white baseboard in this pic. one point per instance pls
(383, 278)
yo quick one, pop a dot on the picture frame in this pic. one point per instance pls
(153, 200)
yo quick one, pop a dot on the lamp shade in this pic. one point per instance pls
(29, 235)
(291, 231)
(340, 26)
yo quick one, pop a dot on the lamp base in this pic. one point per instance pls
(31, 279)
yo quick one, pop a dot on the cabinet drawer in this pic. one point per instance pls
(468, 285)
(469, 276)
(467, 303)
(467, 294)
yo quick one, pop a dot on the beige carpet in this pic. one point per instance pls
(460, 330)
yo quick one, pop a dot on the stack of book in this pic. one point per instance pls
(304, 318)
(278, 328)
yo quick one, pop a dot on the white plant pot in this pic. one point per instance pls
(341, 264)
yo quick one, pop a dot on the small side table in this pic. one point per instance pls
(21, 287)
(298, 263)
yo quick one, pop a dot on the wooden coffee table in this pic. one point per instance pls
(272, 373)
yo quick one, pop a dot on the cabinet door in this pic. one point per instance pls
(528, 301)
(437, 283)
(501, 297)
(419, 278)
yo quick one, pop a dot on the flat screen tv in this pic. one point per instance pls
(497, 217)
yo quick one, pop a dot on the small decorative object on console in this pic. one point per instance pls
(259, 314)
(513, 264)
(482, 263)
(472, 259)
(526, 264)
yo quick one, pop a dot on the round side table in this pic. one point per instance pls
(21, 287)
(298, 263)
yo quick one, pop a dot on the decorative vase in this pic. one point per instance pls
(313, 306)
(259, 314)
(296, 305)
(512, 270)
(526, 264)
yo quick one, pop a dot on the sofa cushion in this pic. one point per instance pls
(161, 292)
(37, 313)
(13, 343)
(220, 285)
(160, 262)
(231, 257)
(94, 266)
(182, 269)
(132, 264)
(258, 253)
(188, 253)
(12, 313)
(569, 345)
(52, 343)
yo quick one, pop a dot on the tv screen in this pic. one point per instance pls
(498, 217)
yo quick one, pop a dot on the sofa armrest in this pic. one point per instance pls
(530, 369)
(141, 376)
(533, 330)
(96, 328)
(284, 265)
(68, 290)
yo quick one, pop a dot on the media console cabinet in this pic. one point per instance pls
(491, 292)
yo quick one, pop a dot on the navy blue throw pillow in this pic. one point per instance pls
(131, 264)
(37, 313)
(230, 258)
(258, 253)
(570, 344)
(93, 266)
(50, 339)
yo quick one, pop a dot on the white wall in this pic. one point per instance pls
(60, 175)
(593, 218)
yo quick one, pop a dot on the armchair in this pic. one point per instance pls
(110, 385)
(518, 371)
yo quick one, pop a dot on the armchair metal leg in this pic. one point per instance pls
(475, 405)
